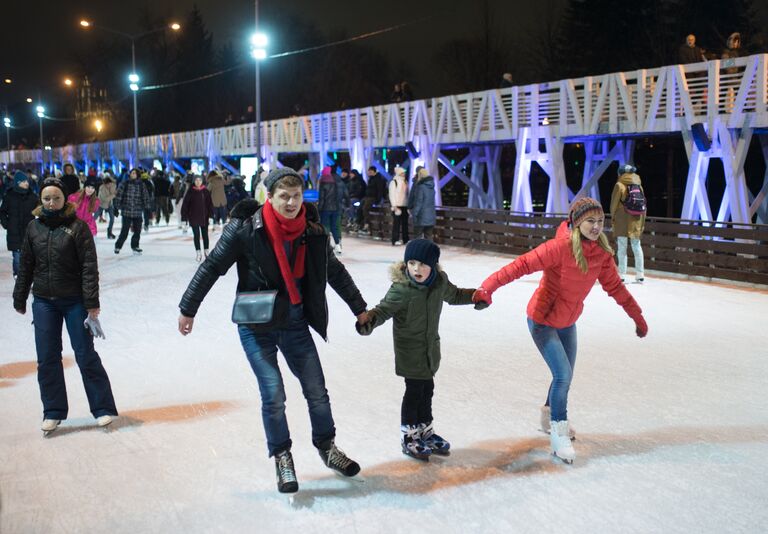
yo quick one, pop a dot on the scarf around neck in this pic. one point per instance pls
(279, 230)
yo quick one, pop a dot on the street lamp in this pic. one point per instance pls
(29, 100)
(259, 52)
(8, 81)
(40, 114)
(68, 82)
(7, 123)
(133, 78)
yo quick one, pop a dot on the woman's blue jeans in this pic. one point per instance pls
(295, 342)
(330, 220)
(558, 347)
(48, 316)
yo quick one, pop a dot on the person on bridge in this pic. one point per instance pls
(689, 52)
(415, 300)
(281, 248)
(628, 222)
(578, 256)
(59, 266)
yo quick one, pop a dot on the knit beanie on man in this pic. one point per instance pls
(422, 250)
(54, 182)
(275, 175)
(583, 208)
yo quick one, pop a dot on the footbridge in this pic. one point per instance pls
(717, 106)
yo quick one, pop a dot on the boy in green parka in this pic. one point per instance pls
(415, 300)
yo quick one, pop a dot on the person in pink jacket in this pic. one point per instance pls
(86, 203)
(578, 256)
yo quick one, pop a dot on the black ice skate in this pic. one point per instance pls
(436, 443)
(137, 251)
(286, 473)
(335, 459)
(412, 443)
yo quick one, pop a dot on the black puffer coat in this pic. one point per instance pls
(245, 242)
(58, 259)
(16, 214)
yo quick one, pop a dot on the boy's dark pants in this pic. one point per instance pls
(417, 401)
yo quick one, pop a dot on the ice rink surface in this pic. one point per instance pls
(672, 429)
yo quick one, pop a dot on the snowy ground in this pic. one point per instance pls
(672, 429)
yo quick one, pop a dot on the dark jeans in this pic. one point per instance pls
(15, 261)
(365, 212)
(48, 315)
(219, 214)
(111, 212)
(417, 401)
(330, 220)
(300, 353)
(427, 232)
(134, 224)
(558, 347)
(400, 224)
(162, 207)
(196, 231)
(147, 217)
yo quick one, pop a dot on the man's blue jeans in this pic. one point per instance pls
(48, 315)
(300, 353)
(558, 347)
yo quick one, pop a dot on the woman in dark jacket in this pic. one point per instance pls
(197, 209)
(421, 204)
(16, 214)
(58, 262)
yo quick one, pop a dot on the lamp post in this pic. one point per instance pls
(259, 53)
(133, 78)
(7, 123)
(40, 114)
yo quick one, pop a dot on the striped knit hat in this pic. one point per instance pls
(583, 208)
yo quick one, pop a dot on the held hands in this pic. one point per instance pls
(364, 324)
(641, 327)
(482, 298)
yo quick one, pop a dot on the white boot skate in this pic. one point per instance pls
(560, 442)
(198, 255)
(546, 415)
(49, 425)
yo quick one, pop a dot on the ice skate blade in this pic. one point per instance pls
(354, 478)
(558, 459)
(573, 438)
(436, 452)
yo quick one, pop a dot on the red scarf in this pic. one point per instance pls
(279, 230)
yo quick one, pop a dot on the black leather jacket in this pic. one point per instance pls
(245, 242)
(58, 259)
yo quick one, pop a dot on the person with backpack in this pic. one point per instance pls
(628, 207)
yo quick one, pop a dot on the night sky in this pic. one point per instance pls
(37, 43)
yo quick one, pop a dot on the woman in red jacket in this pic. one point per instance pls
(571, 262)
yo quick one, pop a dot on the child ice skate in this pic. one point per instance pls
(415, 300)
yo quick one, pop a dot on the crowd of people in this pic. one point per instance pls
(282, 246)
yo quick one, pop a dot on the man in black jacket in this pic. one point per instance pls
(374, 195)
(281, 246)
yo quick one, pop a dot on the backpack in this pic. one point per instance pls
(635, 203)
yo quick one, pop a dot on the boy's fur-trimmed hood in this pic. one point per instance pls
(397, 272)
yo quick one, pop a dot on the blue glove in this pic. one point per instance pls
(94, 327)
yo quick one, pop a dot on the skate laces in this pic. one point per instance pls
(285, 466)
(337, 458)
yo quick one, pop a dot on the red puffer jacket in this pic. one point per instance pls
(559, 299)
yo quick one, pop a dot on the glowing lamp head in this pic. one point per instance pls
(85, 24)
(259, 40)
(98, 125)
(29, 100)
(8, 81)
(133, 78)
(40, 111)
(259, 53)
(68, 82)
(7, 122)
(175, 26)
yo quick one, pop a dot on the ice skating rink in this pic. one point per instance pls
(672, 429)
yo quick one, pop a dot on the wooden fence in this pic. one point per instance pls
(698, 248)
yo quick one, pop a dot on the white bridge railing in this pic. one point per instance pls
(667, 99)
